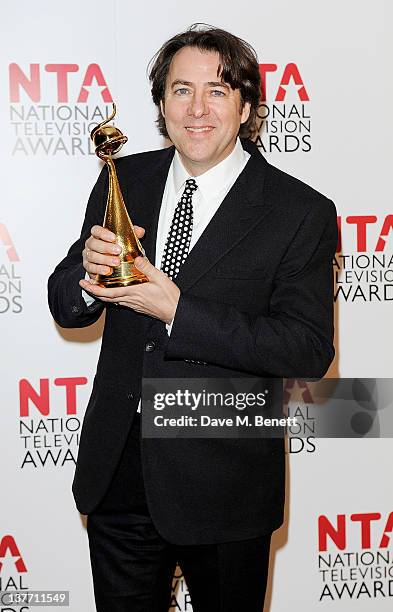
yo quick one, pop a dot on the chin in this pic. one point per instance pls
(198, 154)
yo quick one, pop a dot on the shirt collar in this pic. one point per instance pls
(215, 180)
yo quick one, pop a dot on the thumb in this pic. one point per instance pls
(144, 265)
(140, 231)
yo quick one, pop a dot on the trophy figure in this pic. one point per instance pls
(108, 140)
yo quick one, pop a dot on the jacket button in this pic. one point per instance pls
(130, 396)
(150, 346)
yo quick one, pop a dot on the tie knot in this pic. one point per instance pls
(190, 186)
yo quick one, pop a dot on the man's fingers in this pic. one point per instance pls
(105, 260)
(144, 265)
(99, 240)
(94, 269)
(103, 292)
(140, 231)
(102, 233)
(94, 245)
(101, 252)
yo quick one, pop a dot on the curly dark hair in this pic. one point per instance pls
(238, 67)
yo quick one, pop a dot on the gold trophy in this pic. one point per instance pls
(108, 140)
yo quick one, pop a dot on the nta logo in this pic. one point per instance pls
(338, 532)
(41, 399)
(8, 548)
(6, 241)
(361, 223)
(291, 73)
(30, 81)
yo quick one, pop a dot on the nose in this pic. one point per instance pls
(198, 105)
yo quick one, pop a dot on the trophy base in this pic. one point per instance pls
(123, 276)
(123, 282)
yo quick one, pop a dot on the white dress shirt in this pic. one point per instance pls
(213, 186)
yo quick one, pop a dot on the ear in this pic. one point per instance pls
(245, 112)
(162, 108)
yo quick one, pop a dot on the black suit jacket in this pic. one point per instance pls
(256, 300)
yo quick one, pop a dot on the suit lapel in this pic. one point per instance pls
(144, 199)
(237, 215)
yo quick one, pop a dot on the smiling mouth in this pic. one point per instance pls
(197, 130)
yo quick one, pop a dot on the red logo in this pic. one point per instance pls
(7, 543)
(338, 532)
(41, 398)
(5, 239)
(361, 223)
(291, 74)
(30, 81)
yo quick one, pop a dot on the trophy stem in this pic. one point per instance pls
(108, 140)
(118, 221)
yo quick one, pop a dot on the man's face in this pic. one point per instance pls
(202, 113)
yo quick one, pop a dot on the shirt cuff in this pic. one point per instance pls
(89, 300)
(169, 327)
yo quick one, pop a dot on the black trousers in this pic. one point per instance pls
(133, 566)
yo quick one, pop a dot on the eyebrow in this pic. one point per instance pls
(218, 84)
(209, 83)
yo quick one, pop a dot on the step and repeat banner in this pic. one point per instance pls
(325, 118)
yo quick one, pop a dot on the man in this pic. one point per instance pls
(241, 286)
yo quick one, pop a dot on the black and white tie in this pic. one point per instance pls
(179, 236)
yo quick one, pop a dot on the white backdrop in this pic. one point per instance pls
(335, 108)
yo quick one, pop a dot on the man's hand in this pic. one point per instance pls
(101, 251)
(158, 298)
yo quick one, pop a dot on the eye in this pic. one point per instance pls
(181, 91)
(217, 92)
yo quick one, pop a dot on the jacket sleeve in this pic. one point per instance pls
(296, 338)
(65, 299)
